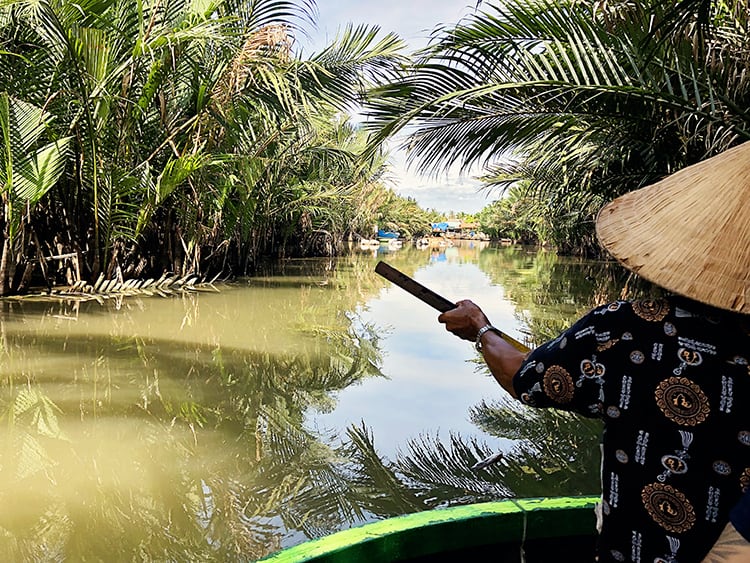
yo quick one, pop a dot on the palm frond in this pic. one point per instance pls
(353, 62)
(443, 470)
(380, 489)
(530, 72)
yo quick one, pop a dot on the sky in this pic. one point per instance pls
(412, 20)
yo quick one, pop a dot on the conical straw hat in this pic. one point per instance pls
(689, 233)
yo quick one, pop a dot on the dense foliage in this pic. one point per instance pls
(182, 136)
(573, 103)
(188, 136)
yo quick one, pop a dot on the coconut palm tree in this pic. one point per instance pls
(194, 126)
(577, 102)
(27, 173)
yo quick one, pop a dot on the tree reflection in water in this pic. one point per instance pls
(122, 445)
(162, 450)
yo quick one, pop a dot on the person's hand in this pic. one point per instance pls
(502, 358)
(465, 320)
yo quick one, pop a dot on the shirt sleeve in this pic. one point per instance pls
(739, 516)
(566, 373)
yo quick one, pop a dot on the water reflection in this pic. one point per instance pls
(224, 425)
(169, 429)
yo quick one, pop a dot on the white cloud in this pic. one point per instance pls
(450, 190)
(412, 21)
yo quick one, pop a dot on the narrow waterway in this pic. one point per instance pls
(225, 423)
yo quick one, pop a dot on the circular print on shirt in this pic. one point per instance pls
(690, 357)
(682, 401)
(637, 357)
(745, 480)
(651, 309)
(592, 370)
(613, 412)
(558, 384)
(668, 507)
(674, 464)
(722, 467)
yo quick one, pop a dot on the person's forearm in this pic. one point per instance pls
(502, 359)
(466, 320)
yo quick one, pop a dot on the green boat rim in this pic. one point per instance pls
(420, 533)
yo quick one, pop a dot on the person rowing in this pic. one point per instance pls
(668, 376)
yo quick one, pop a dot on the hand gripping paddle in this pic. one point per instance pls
(430, 297)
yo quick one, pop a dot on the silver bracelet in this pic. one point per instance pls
(480, 334)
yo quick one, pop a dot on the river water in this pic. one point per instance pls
(224, 423)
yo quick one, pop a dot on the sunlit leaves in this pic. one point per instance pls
(154, 91)
(575, 102)
(28, 171)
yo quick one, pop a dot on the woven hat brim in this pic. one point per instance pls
(689, 233)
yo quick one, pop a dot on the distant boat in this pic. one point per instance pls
(559, 530)
(369, 244)
(440, 242)
(387, 235)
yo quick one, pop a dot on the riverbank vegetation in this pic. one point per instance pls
(181, 136)
(191, 138)
(570, 104)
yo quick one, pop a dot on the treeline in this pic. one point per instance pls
(183, 136)
(190, 137)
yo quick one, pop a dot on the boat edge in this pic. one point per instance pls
(403, 537)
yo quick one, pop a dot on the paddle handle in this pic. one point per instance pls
(428, 296)
(414, 287)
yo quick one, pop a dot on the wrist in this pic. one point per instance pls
(478, 321)
(481, 332)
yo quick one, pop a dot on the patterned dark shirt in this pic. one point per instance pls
(670, 378)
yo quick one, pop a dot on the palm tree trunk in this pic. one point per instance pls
(6, 262)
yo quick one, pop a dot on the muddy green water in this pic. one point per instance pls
(224, 424)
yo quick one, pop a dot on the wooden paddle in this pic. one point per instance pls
(428, 296)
